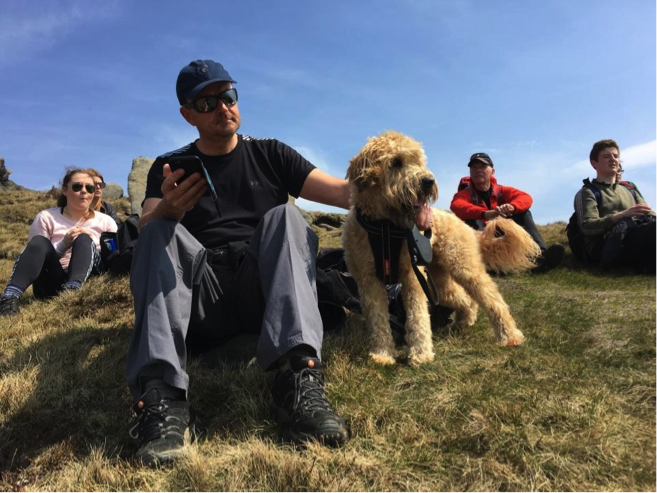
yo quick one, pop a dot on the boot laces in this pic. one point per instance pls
(311, 395)
(150, 422)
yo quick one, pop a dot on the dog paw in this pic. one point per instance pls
(467, 318)
(420, 358)
(515, 340)
(383, 358)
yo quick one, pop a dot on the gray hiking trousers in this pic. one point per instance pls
(176, 291)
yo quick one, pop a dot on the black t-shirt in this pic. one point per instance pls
(250, 180)
(485, 196)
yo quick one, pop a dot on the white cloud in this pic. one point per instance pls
(633, 157)
(639, 156)
(314, 157)
(526, 144)
(40, 26)
(18, 33)
(272, 76)
(580, 168)
(173, 136)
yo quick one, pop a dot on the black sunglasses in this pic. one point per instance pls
(100, 184)
(76, 187)
(206, 104)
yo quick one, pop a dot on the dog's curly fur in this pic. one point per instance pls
(389, 180)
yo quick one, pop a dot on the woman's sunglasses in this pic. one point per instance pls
(206, 104)
(100, 184)
(76, 187)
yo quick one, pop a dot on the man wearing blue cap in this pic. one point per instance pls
(207, 269)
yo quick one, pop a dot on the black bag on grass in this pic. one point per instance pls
(337, 290)
(117, 249)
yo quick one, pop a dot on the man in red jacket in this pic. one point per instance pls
(481, 199)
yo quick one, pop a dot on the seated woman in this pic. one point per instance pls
(98, 204)
(63, 245)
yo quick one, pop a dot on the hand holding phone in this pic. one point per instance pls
(191, 165)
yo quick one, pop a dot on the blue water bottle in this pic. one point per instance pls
(110, 243)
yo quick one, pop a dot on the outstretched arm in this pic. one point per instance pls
(326, 189)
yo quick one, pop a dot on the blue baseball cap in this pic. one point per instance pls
(196, 76)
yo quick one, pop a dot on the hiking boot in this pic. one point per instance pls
(163, 427)
(299, 402)
(9, 307)
(550, 258)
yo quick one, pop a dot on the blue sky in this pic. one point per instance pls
(534, 84)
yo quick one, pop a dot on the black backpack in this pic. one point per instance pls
(117, 249)
(337, 290)
(573, 231)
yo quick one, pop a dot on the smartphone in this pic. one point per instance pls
(191, 165)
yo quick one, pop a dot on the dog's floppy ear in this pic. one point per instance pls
(362, 172)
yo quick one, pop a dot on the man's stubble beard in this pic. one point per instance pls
(228, 133)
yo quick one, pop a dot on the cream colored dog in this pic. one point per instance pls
(389, 180)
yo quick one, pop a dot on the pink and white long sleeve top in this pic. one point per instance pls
(52, 224)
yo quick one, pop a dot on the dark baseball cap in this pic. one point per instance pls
(196, 76)
(482, 157)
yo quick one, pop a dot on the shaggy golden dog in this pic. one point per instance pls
(389, 181)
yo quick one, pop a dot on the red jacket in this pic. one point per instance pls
(463, 207)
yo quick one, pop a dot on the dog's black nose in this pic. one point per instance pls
(427, 183)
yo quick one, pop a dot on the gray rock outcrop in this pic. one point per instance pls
(137, 182)
(5, 182)
(4, 172)
(113, 191)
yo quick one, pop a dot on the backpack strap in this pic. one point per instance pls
(474, 196)
(594, 190)
(632, 188)
(497, 190)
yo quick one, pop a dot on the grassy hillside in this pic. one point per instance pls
(572, 409)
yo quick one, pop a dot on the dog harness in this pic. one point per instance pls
(386, 240)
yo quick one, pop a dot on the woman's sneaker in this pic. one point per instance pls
(72, 286)
(299, 402)
(163, 427)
